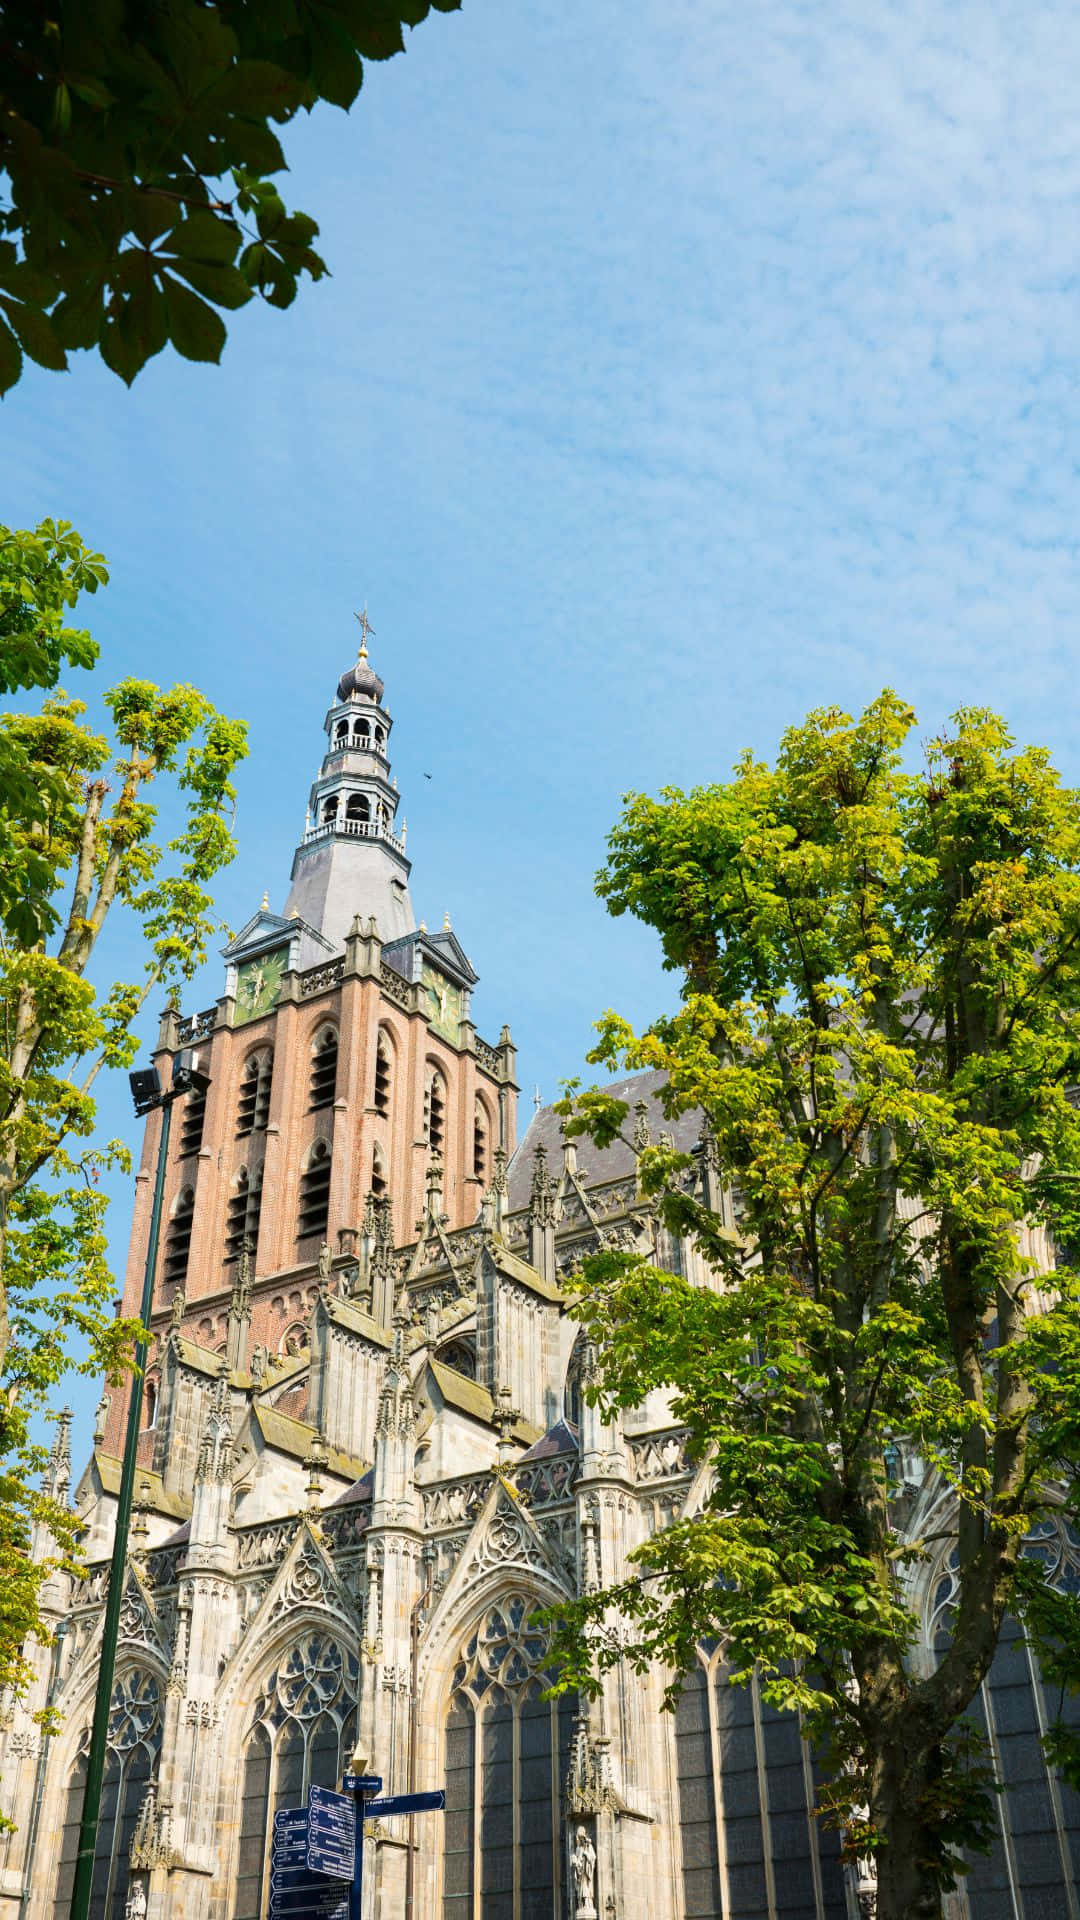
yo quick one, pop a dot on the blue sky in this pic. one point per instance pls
(682, 367)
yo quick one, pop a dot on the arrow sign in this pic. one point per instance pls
(432, 1802)
(314, 1900)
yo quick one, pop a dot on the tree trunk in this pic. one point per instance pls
(908, 1884)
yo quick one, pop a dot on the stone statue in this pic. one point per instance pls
(102, 1415)
(136, 1902)
(583, 1867)
(258, 1365)
(325, 1258)
(179, 1302)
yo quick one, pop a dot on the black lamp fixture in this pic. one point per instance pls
(146, 1088)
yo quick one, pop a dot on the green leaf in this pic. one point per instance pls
(225, 286)
(195, 329)
(206, 236)
(35, 334)
(258, 88)
(120, 348)
(10, 360)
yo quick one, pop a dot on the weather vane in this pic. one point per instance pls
(365, 628)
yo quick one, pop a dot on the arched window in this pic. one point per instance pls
(315, 1192)
(253, 1109)
(481, 1138)
(461, 1355)
(245, 1206)
(330, 808)
(509, 1750)
(341, 732)
(178, 1243)
(134, 1741)
(378, 1170)
(358, 807)
(362, 733)
(434, 1109)
(192, 1120)
(324, 1067)
(1036, 1817)
(379, 738)
(383, 1068)
(747, 1783)
(303, 1730)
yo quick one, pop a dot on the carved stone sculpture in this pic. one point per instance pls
(583, 1867)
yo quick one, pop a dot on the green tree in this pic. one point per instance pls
(137, 146)
(78, 843)
(880, 1020)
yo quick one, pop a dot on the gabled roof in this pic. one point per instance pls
(266, 930)
(515, 1268)
(156, 1498)
(295, 1437)
(346, 1313)
(561, 1438)
(443, 948)
(468, 1396)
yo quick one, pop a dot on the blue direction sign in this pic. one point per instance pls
(331, 1833)
(432, 1802)
(312, 1901)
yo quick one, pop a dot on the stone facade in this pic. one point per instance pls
(367, 1461)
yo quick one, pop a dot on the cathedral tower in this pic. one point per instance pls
(348, 1084)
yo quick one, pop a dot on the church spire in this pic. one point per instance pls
(352, 857)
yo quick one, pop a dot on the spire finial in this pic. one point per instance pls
(266, 899)
(446, 923)
(365, 628)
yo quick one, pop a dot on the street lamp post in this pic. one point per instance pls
(148, 1093)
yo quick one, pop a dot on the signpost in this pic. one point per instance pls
(317, 1856)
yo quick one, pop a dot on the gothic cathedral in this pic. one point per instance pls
(366, 1462)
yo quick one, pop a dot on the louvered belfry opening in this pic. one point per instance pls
(315, 1192)
(324, 1068)
(382, 1076)
(178, 1243)
(480, 1143)
(378, 1172)
(242, 1222)
(192, 1121)
(253, 1106)
(434, 1110)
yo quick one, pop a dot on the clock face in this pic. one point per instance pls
(444, 1003)
(258, 983)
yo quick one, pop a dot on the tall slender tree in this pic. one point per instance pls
(880, 1021)
(78, 846)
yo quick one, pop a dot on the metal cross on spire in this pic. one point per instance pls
(365, 628)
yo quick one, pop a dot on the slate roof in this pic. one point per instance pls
(288, 1435)
(545, 1129)
(468, 1396)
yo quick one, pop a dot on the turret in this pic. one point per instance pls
(352, 857)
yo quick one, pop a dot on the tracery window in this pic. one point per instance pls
(253, 1109)
(315, 1192)
(134, 1742)
(1036, 1816)
(302, 1733)
(178, 1243)
(747, 1786)
(507, 1757)
(324, 1055)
